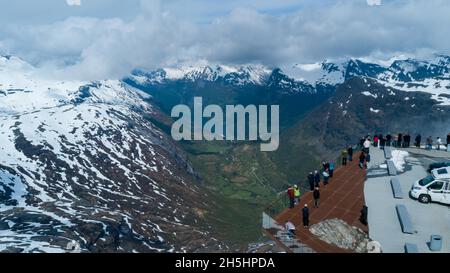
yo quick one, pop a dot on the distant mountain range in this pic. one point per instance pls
(430, 76)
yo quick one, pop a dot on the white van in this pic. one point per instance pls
(442, 173)
(433, 188)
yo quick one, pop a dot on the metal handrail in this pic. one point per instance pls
(278, 205)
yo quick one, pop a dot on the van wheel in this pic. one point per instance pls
(424, 198)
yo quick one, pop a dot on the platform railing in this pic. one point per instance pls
(278, 205)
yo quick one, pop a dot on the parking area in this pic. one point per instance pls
(426, 219)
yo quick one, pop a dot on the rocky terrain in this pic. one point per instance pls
(342, 235)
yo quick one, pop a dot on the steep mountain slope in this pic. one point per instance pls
(82, 162)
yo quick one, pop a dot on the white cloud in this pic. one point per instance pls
(87, 47)
(373, 2)
(73, 2)
(310, 67)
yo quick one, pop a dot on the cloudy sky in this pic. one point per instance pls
(108, 38)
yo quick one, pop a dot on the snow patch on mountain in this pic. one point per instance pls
(325, 73)
(368, 94)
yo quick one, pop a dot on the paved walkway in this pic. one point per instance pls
(343, 198)
(427, 219)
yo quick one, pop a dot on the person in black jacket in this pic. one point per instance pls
(448, 140)
(388, 140)
(399, 140)
(350, 153)
(316, 196)
(405, 141)
(311, 181)
(305, 212)
(382, 142)
(364, 215)
(362, 160)
(316, 179)
(418, 140)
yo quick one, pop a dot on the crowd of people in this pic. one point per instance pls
(405, 141)
(315, 179)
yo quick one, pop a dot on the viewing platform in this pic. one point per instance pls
(397, 222)
(343, 199)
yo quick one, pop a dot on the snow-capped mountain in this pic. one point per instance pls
(237, 75)
(80, 161)
(430, 76)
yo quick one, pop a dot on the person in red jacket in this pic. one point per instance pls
(375, 141)
(291, 196)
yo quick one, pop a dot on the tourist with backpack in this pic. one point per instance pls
(331, 168)
(326, 177)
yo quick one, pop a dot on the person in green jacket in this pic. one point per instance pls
(296, 194)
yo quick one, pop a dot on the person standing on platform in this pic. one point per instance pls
(389, 140)
(439, 143)
(326, 177)
(296, 195)
(367, 146)
(311, 181)
(331, 168)
(291, 196)
(382, 142)
(418, 141)
(375, 141)
(362, 160)
(399, 140)
(350, 153)
(448, 142)
(316, 196)
(344, 157)
(317, 178)
(305, 214)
